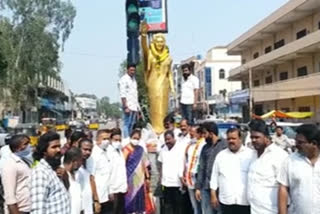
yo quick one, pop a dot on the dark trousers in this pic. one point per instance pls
(186, 203)
(186, 112)
(106, 208)
(172, 200)
(235, 209)
(118, 203)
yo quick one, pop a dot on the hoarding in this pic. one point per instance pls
(154, 13)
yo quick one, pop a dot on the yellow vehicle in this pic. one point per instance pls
(93, 125)
(30, 129)
(61, 125)
(49, 123)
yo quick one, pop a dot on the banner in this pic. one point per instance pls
(154, 13)
(280, 114)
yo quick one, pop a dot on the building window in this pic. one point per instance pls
(268, 79)
(285, 109)
(268, 49)
(283, 75)
(304, 109)
(301, 33)
(222, 74)
(256, 55)
(256, 83)
(279, 44)
(208, 82)
(302, 71)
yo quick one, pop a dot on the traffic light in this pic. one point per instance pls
(133, 28)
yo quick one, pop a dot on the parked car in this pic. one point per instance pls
(224, 126)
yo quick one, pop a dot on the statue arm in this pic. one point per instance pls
(145, 49)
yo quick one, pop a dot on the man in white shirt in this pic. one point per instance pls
(230, 175)
(129, 97)
(184, 136)
(86, 180)
(171, 159)
(168, 124)
(118, 176)
(281, 139)
(299, 176)
(263, 172)
(99, 165)
(72, 161)
(189, 93)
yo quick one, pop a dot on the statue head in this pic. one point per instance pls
(159, 41)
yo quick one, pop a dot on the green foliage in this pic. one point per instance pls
(110, 110)
(32, 32)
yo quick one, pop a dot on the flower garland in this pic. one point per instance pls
(160, 57)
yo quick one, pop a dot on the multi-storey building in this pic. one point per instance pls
(174, 100)
(88, 107)
(281, 57)
(216, 87)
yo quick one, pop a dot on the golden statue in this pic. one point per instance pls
(158, 76)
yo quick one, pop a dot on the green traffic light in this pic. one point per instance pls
(133, 25)
(132, 8)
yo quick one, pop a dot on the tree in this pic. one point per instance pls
(111, 110)
(32, 33)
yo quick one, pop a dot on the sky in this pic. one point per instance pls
(97, 45)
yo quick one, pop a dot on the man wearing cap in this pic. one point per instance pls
(263, 171)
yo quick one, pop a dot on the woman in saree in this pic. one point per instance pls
(138, 176)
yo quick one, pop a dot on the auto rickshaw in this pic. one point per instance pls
(61, 125)
(49, 123)
(93, 125)
(29, 129)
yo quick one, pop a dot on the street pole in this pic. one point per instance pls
(250, 94)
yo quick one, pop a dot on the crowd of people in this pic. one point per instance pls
(194, 172)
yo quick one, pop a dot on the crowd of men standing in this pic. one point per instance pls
(198, 172)
(190, 169)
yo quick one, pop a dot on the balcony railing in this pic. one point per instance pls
(276, 55)
(296, 87)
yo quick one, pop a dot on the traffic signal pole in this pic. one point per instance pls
(133, 32)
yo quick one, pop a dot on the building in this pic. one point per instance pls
(87, 106)
(52, 99)
(174, 100)
(215, 86)
(281, 60)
